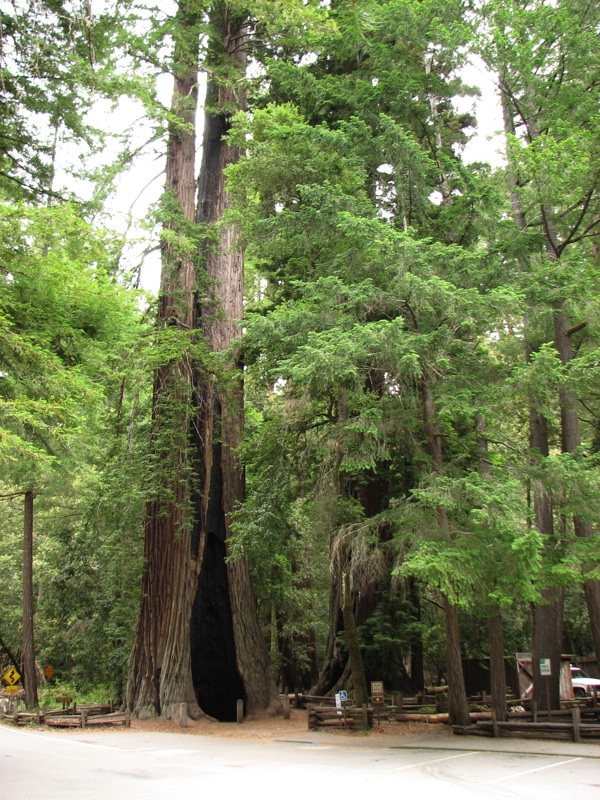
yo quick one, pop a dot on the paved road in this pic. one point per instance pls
(155, 766)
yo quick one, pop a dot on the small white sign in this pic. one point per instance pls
(545, 666)
(338, 700)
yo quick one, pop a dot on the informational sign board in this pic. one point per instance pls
(377, 694)
(11, 676)
(545, 666)
(49, 671)
(338, 701)
(11, 689)
(343, 696)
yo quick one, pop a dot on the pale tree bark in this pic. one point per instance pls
(225, 606)
(160, 666)
(28, 646)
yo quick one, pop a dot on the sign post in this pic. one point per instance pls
(377, 697)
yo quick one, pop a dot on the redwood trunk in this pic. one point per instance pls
(357, 669)
(160, 665)
(29, 675)
(225, 607)
(336, 658)
(458, 706)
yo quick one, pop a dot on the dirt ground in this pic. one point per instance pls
(274, 728)
(266, 730)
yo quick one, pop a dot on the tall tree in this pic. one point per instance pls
(541, 54)
(159, 673)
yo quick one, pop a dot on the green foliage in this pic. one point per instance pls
(74, 398)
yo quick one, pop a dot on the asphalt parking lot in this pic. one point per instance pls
(148, 765)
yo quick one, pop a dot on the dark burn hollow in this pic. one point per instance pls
(215, 676)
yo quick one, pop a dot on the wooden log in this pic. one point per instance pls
(70, 721)
(116, 718)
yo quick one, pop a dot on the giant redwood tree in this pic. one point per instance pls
(229, 659)
(159, 673)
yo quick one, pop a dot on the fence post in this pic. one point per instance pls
(576, 712)
(286, 706)
(240, 711)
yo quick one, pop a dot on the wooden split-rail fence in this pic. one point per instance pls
(70, 716)
(349, 718)
(575, 724)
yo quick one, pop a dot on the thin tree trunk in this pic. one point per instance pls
(28, 647)
(496, 641)
(417, 662)
(571, 440)
(497, 672)
(457, 695)
(547, 616)
(160, 666)
(225, 605)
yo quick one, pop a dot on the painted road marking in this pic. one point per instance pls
(530, 771)
(433, 761)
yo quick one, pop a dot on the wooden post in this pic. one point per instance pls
(286, 706)
(365, 716)
(127, 718)
(576, 712)
(83, 718)
(595, 697)
(182, 717)
(534, 710)
(240, 711)
(400, 702)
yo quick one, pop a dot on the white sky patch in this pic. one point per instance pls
(487, 141)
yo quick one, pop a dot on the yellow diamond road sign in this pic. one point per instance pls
(11, 676)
